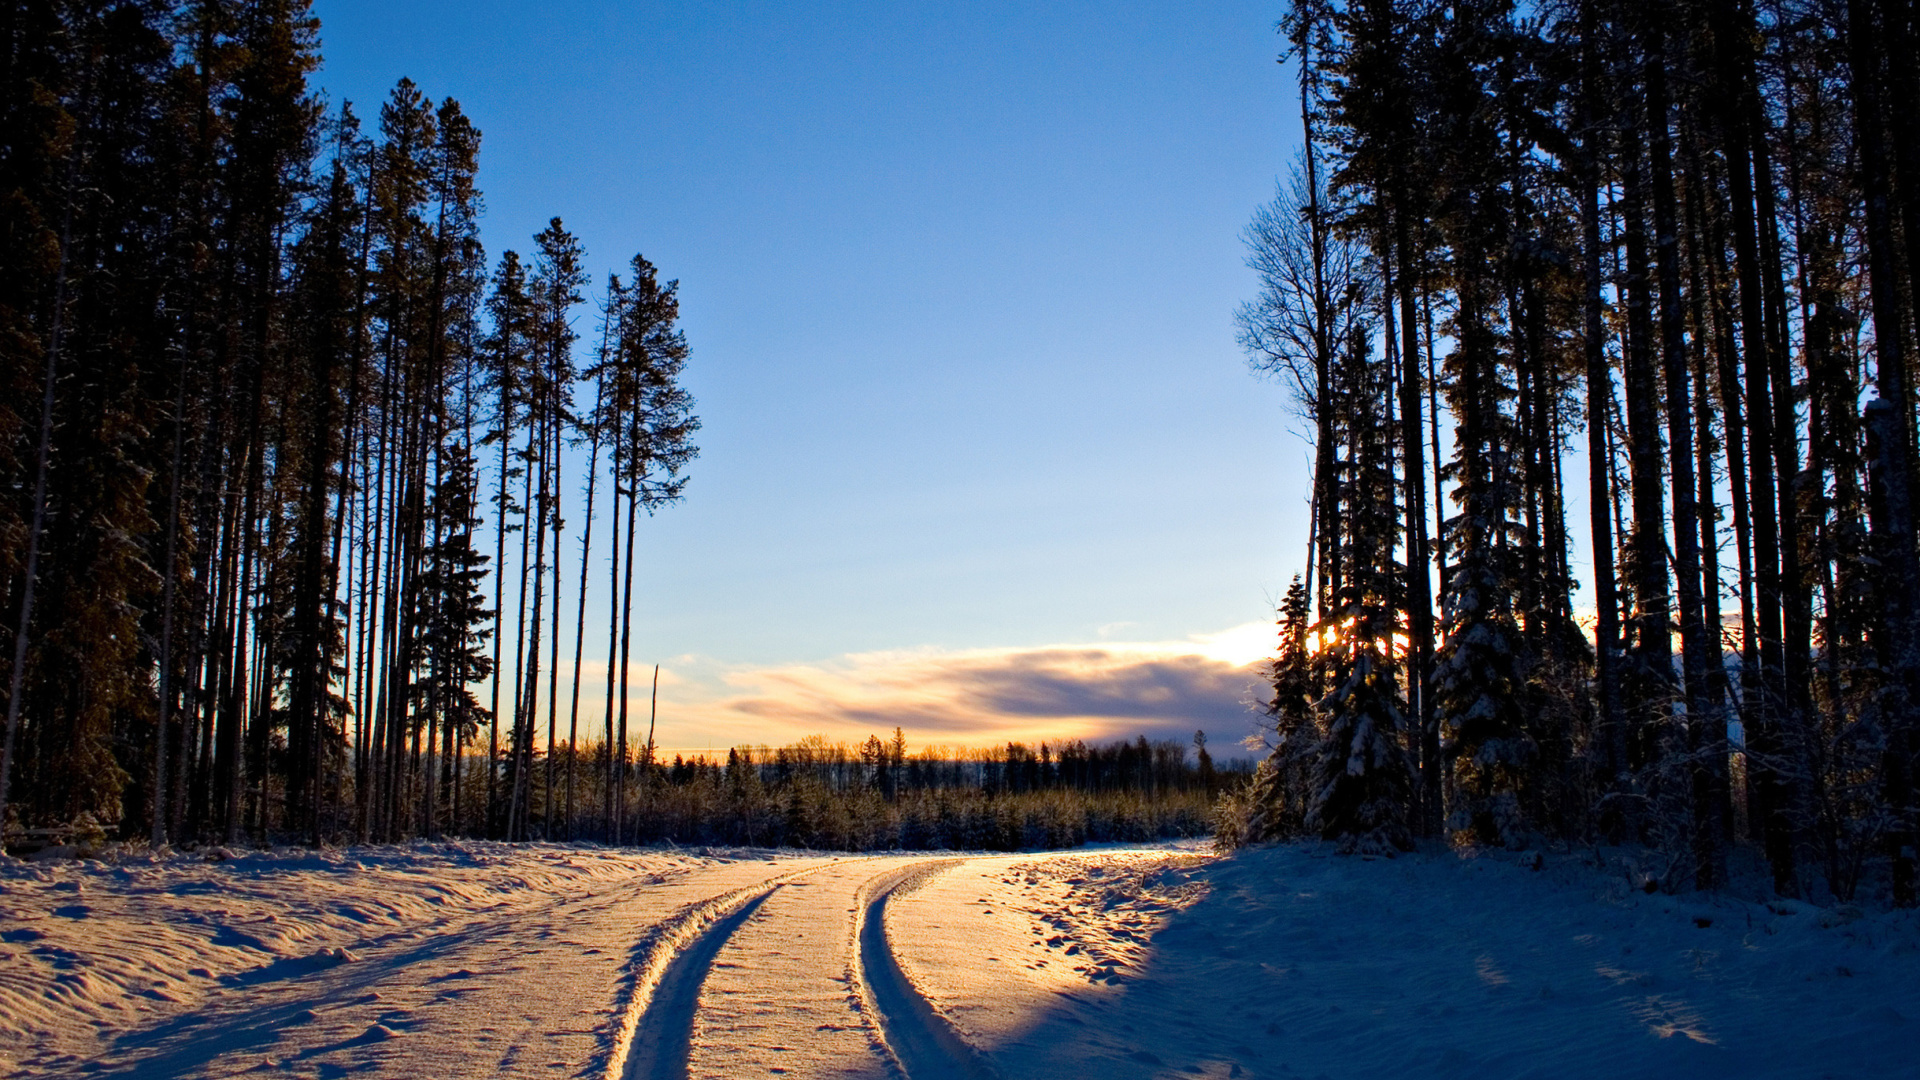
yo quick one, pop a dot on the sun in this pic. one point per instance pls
(1248, 643)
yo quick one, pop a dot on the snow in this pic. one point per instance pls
(476, 959)
(449, 960)
(1294, 961)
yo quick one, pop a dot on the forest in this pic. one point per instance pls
(290, 464)
(1597, 316)
(280, 442)
(878, 796)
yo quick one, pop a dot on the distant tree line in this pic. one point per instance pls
(282, 508)
(1667, 244)
(1152, 768)
(877, 795)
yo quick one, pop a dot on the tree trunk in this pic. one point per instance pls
(1890, 429)
(1770, 794)
(1599, 393)
(1702, 718)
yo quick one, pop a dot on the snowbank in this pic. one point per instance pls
(91, 948)
(1295, 962)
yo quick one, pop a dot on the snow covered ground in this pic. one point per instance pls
(474, 959)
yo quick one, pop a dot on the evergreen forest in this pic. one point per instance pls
(283, 449)
(1597, 315)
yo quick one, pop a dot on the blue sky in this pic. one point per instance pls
(959, 282)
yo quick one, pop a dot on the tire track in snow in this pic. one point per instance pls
(667, 967)
(253, 1010)
(660, 1052)
(921, 1043)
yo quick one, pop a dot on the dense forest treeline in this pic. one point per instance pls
(1665, 245)
(283, 532)
(878, 795)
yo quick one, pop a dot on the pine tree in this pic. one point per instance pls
(554, 293)
(1277, 807)
(456, 622)
(323, 305)
(1362, 782)
(506, 362)
(653, 446)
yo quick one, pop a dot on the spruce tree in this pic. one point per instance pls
(456, 621)
(1363, 781)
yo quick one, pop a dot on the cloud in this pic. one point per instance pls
(977, 697)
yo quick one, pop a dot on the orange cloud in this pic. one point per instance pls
(976, 697)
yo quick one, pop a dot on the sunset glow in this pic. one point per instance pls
(1091, 691)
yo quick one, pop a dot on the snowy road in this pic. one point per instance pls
(490, 962)
(481, 960)
(809, 973)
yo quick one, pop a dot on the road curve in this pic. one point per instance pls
(794, 975)
(922, 1044)
(687, 935)
(659, 1049)
(778, 998)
